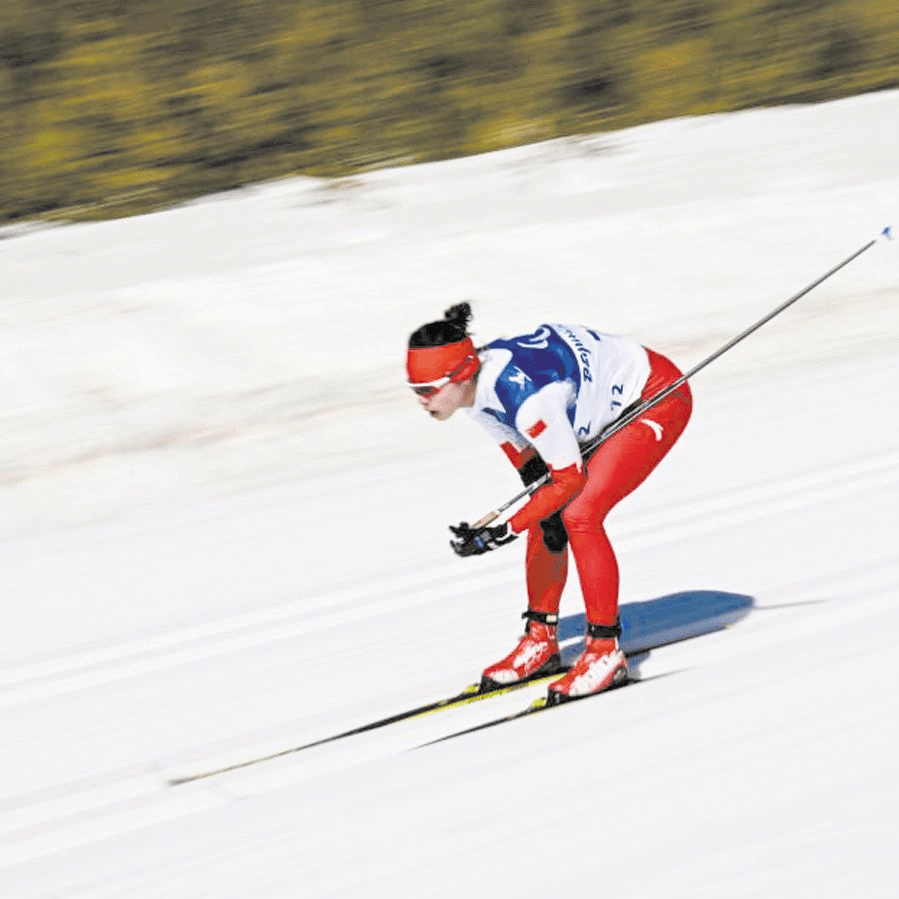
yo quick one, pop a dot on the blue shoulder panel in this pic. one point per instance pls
(538, 359)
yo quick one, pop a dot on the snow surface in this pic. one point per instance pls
(223, 531)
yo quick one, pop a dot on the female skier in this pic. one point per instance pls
(541, 396)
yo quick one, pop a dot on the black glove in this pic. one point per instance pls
(554, 534)
(470, 542)
(532, 470)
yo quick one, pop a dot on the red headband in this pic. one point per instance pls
(430, 363)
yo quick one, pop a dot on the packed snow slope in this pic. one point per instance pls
(223, 523)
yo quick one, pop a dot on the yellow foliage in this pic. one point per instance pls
(513, 131)
(52, 148)
(673, 80)
(159, 105)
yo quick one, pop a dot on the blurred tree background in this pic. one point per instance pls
(111, 107)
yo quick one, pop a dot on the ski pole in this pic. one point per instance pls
(629, 417)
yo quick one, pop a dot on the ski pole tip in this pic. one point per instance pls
(887, 232)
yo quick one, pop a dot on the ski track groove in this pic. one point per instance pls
(33, 681)
(80, 812)
(34, 829)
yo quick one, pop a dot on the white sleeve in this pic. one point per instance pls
(499, 432)
(543, 419)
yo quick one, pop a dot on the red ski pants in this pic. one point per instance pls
(617, 468)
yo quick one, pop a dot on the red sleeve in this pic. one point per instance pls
(566, 484)
(517, 457)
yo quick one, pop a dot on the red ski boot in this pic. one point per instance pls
(602, 665)
(536, 655)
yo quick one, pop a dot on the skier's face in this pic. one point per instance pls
(447, 399)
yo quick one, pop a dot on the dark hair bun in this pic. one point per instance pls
(460, 315)
(452, 328)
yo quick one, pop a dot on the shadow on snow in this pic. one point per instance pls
(658, 622)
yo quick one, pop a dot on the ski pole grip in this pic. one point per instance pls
(483, 522)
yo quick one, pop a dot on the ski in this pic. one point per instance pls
(540, 704)
(645, 626)
(471, 693)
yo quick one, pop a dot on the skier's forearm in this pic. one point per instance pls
(565, 485)
(518, 457)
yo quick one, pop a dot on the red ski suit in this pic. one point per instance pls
(617, 468)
